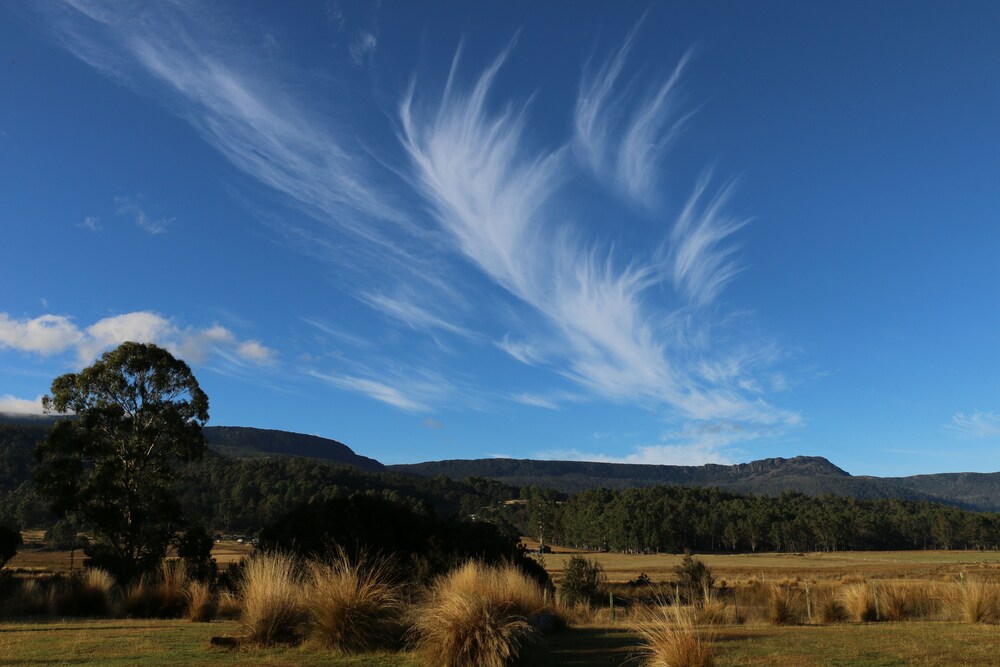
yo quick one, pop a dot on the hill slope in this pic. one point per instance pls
(806, 474)
(20, 432)
(243, 442)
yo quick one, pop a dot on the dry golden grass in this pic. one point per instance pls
(172, 586)
(88, 594)
(227, 606)
(477, 615)
(711, 609)
(271, 597)
(354, 605)
(670, 638)
(858, 601)
(200, 602)
(971, 600)
(141, 599)
(784, 605)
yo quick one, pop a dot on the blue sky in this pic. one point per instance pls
(663, 233)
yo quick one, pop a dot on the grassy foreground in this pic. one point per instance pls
(177, 642)
(115, 642)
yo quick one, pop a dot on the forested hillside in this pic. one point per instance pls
(706, 508)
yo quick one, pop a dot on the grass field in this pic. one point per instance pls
(820, 566)
(33, 558)
(176, 642)
(597, 641)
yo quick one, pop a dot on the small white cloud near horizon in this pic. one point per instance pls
(25, 406)
(975, 425)
(49, 335)
(695, 454)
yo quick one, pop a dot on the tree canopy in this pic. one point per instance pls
(138, 413)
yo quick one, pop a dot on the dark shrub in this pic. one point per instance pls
(583, 581)
(10, 540)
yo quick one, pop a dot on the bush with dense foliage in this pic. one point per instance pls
(10, 540)
(582, 581)
(426, 544)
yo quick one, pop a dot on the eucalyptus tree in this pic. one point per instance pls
(137, 413)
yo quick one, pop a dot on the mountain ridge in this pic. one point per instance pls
(813, 475)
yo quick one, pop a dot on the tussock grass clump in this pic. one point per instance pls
(671, 639)
(784, 605)
(903, 602)
(477, 615)
(228, 606)
(162, 595)
(711, 609)
(829, 608)
(88, 594)
(141, 600)
(172, 587)
(972, 601)
(31, 598)
(858, 601)
(354, 605)
(200, 602)
(271, 596)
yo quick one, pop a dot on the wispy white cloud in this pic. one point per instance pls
(535, 400)
(406, 310)
(693, 444)
(49, 335)
(363, 46)
(622, 133)
(494, 196)
(676, 455)
(130, 208)
(701, 261)
(407, 394)
(975, 425)
(524, 351)
(239, 104)
(628, 327)
(91, 223)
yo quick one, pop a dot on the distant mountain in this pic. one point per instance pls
(235, 441)
(569, 476)
(245, 442)
(812, 475)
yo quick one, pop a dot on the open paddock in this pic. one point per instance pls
(812, 567)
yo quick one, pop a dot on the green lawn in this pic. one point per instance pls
(173, 642)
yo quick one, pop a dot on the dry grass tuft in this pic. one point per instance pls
(141, 600)
(271, 596)
(355, 606)
(784, 605)
(89, 594)
(711, 609)
(829, 608)
(972, 601)
(30, 598)
(228, 606)
(477, 615)
(671, 639)
(172, 588)
(858, 601)
(200, 602)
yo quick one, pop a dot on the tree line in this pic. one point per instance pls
(672, 519)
